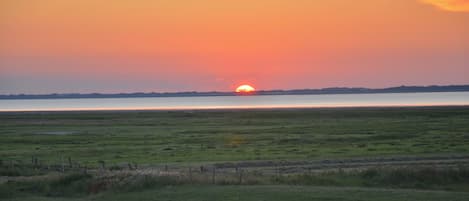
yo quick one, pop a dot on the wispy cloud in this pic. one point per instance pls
(450, 5)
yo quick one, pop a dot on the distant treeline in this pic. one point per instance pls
(334, 90)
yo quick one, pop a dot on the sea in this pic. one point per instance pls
(239, 102)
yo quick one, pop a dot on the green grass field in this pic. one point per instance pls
(191, 138)
(265, 193)
(204, 136)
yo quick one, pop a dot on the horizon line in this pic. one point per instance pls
(223, 92)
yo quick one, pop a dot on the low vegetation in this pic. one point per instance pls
(92, 138)
(84, 185)
(314, 154)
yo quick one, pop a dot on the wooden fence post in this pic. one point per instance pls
(278, 172)
(35, 162)
(70, 162)
(213, 174)
(63, 165)
(190, 174)
(103, 164)
(240, 176)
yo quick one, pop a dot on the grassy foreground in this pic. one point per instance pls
(302, 154)
(271, 193)
(203, 136)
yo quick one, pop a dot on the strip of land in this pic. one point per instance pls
(332, 90)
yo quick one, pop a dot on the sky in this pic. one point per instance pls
(111, 46)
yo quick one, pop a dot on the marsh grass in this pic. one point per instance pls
(455, 178)
(20, 170)
(102, 141)
(81, 184)
(69, 185)
(158, 137)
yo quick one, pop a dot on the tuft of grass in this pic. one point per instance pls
(20, 170)
(456, 179)
(143, 182)
(422, 178)
(74, 184)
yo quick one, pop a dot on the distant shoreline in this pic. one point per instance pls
(364, 108)
(336, 90)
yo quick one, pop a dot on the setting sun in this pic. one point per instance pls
(245, 89)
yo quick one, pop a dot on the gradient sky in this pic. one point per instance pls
(50, 46)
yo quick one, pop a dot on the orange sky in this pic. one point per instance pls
(178, 45)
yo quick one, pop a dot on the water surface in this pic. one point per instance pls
(240, 102)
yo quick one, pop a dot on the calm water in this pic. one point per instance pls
(237, 102)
